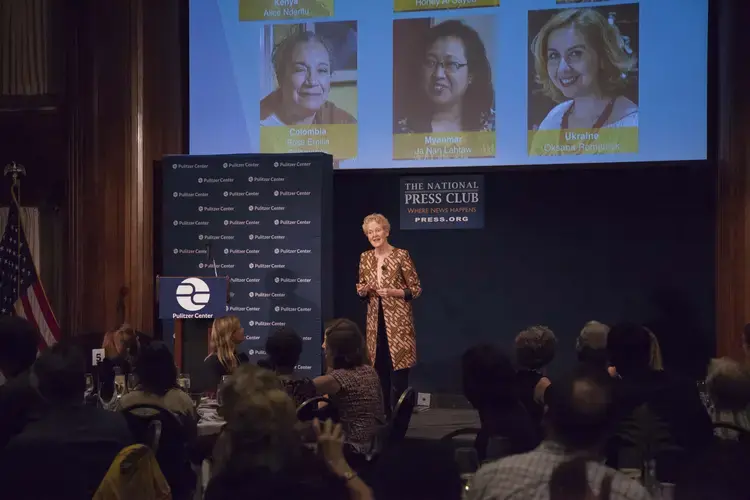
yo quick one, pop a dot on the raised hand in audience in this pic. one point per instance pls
(331, 448)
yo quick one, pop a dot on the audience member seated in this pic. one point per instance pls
(591, 345)
(579, 417)
(728, 385)
(489, 383)
(353, 385)
(671, 400)
(19, 402)
(535, 349)
(415, 470)
(157, 385)
(226, 334)
(71, 446)
(260, 454)
(284, 348)
(121, 349)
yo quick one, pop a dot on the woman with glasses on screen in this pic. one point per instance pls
(582, 62)
(303, 66)
(454, 80)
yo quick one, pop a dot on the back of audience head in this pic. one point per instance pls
(535, 347)
(345, 345)
(629, 347)
(418, 470)
(488, 377)
(728, 385)
(156, 370)
(60, 374)
(284, 348)
(260, 419)
(580, 410)
(591, 344)
(19, 342)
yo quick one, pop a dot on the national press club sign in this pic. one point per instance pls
(258, 220)
(442, 202)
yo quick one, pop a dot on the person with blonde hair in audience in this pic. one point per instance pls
(260, 453)
(226, 334)
(591, 344)
(728, 385)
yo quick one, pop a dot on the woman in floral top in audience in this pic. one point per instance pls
(352, 384)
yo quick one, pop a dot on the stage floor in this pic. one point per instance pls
(434, 423)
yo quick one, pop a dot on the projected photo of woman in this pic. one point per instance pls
(309, 80)
(303, 66)
(443, 85)
(584, 87)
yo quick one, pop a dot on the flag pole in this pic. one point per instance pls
(16, 171)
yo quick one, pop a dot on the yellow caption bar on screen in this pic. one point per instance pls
(415, 5)
(274, 10)
(444, 146)
(337, 140)
(583, 142)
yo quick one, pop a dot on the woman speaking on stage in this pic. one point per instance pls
(388, 281)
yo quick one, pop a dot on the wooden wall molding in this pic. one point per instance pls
(733, 200)
(124, 112)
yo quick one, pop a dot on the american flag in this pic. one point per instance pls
(21, 291)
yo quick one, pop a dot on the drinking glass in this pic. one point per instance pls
(89, 384)
(218, 389)
(132, 382)
(183, 380)
(120, 385)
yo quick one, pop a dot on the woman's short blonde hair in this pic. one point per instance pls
(614, 55)
(378, 219)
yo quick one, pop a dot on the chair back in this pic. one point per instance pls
(162, 431)
(732, 431)
(312, 409)
(401, 418)
(462, 436)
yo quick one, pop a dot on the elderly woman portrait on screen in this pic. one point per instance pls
(303, 66)
(453, 82)
(582, 62)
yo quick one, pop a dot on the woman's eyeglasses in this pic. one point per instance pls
(448, 66)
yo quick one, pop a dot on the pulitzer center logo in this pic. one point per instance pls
(193, 294)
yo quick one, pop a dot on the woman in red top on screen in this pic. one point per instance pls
(302, 63)
(455, 91)
(582, 62)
